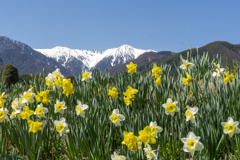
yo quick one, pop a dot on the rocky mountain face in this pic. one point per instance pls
(27, 60)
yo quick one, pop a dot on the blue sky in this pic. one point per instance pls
(102, 24)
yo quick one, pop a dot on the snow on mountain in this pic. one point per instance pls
(77, 60)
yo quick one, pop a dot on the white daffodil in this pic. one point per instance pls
(115, 156)
(190, 113)
(57, 73)
(3, 114)
(17, 104)
(192, 143)
(61, 126)
(186, 65)
(149, 152)
(59, 107)
(217, 72)
(80, 108)
(116, 118)
(230, 127)
(155, 129)
(28, 97)
(170, 107)
(41, 111)
(86, 76)
(49, 79)
(15, 114)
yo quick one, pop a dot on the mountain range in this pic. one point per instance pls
(75, 61)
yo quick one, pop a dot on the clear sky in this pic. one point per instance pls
(160, 25)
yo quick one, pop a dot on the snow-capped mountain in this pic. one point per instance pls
(77, 60)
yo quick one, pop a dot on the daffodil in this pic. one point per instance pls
(86, 76)
(28, 97)
(59, 107)
(158, 80)
(3, 115)
(17, 104)
(192, 143)
(155, 129)
(80, 108)
(170, 107)
(15, 114)
(113, 93)
(49, 80)
(190, 113)
(217, 71)
(26, 113)
(146, 136)
(67, 86)
(129, 95)
(42, 97)
(149, 152)
(228, 77)
(156, 71)
(115, 156)
(132, 68)
(34, 126)
(186, 65)
(116, 118)
(187, 81)
(57, 73)
(130, 140)
(40, 111)
(61, 126)
(230, 127)
(2, 99)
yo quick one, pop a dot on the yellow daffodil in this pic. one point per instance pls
(158, 80)
(186, 65)
(42, 97)
(146, 136)
(80, 108)
(67, 87)
(113, 93)
(187, 81)
(130, 140)
(2, 99)
(26, 113)
(116, 118)
(34, 126)
(170, 107)
(192, 143)
(132, 68)
(230, 127)
(228, 77)
(61, 126)
(3, 115)
(129, 95)
(156, 71)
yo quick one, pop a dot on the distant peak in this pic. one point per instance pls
(125, 46)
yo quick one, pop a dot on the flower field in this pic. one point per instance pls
(132, 115)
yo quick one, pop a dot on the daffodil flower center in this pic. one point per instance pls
(191, 144)
(85, 75)
(229, 128)
(27, 96)
(189, 114)
(114, 118)
(59, 106)
(60, 127)
(1, 114)
(171, 107)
